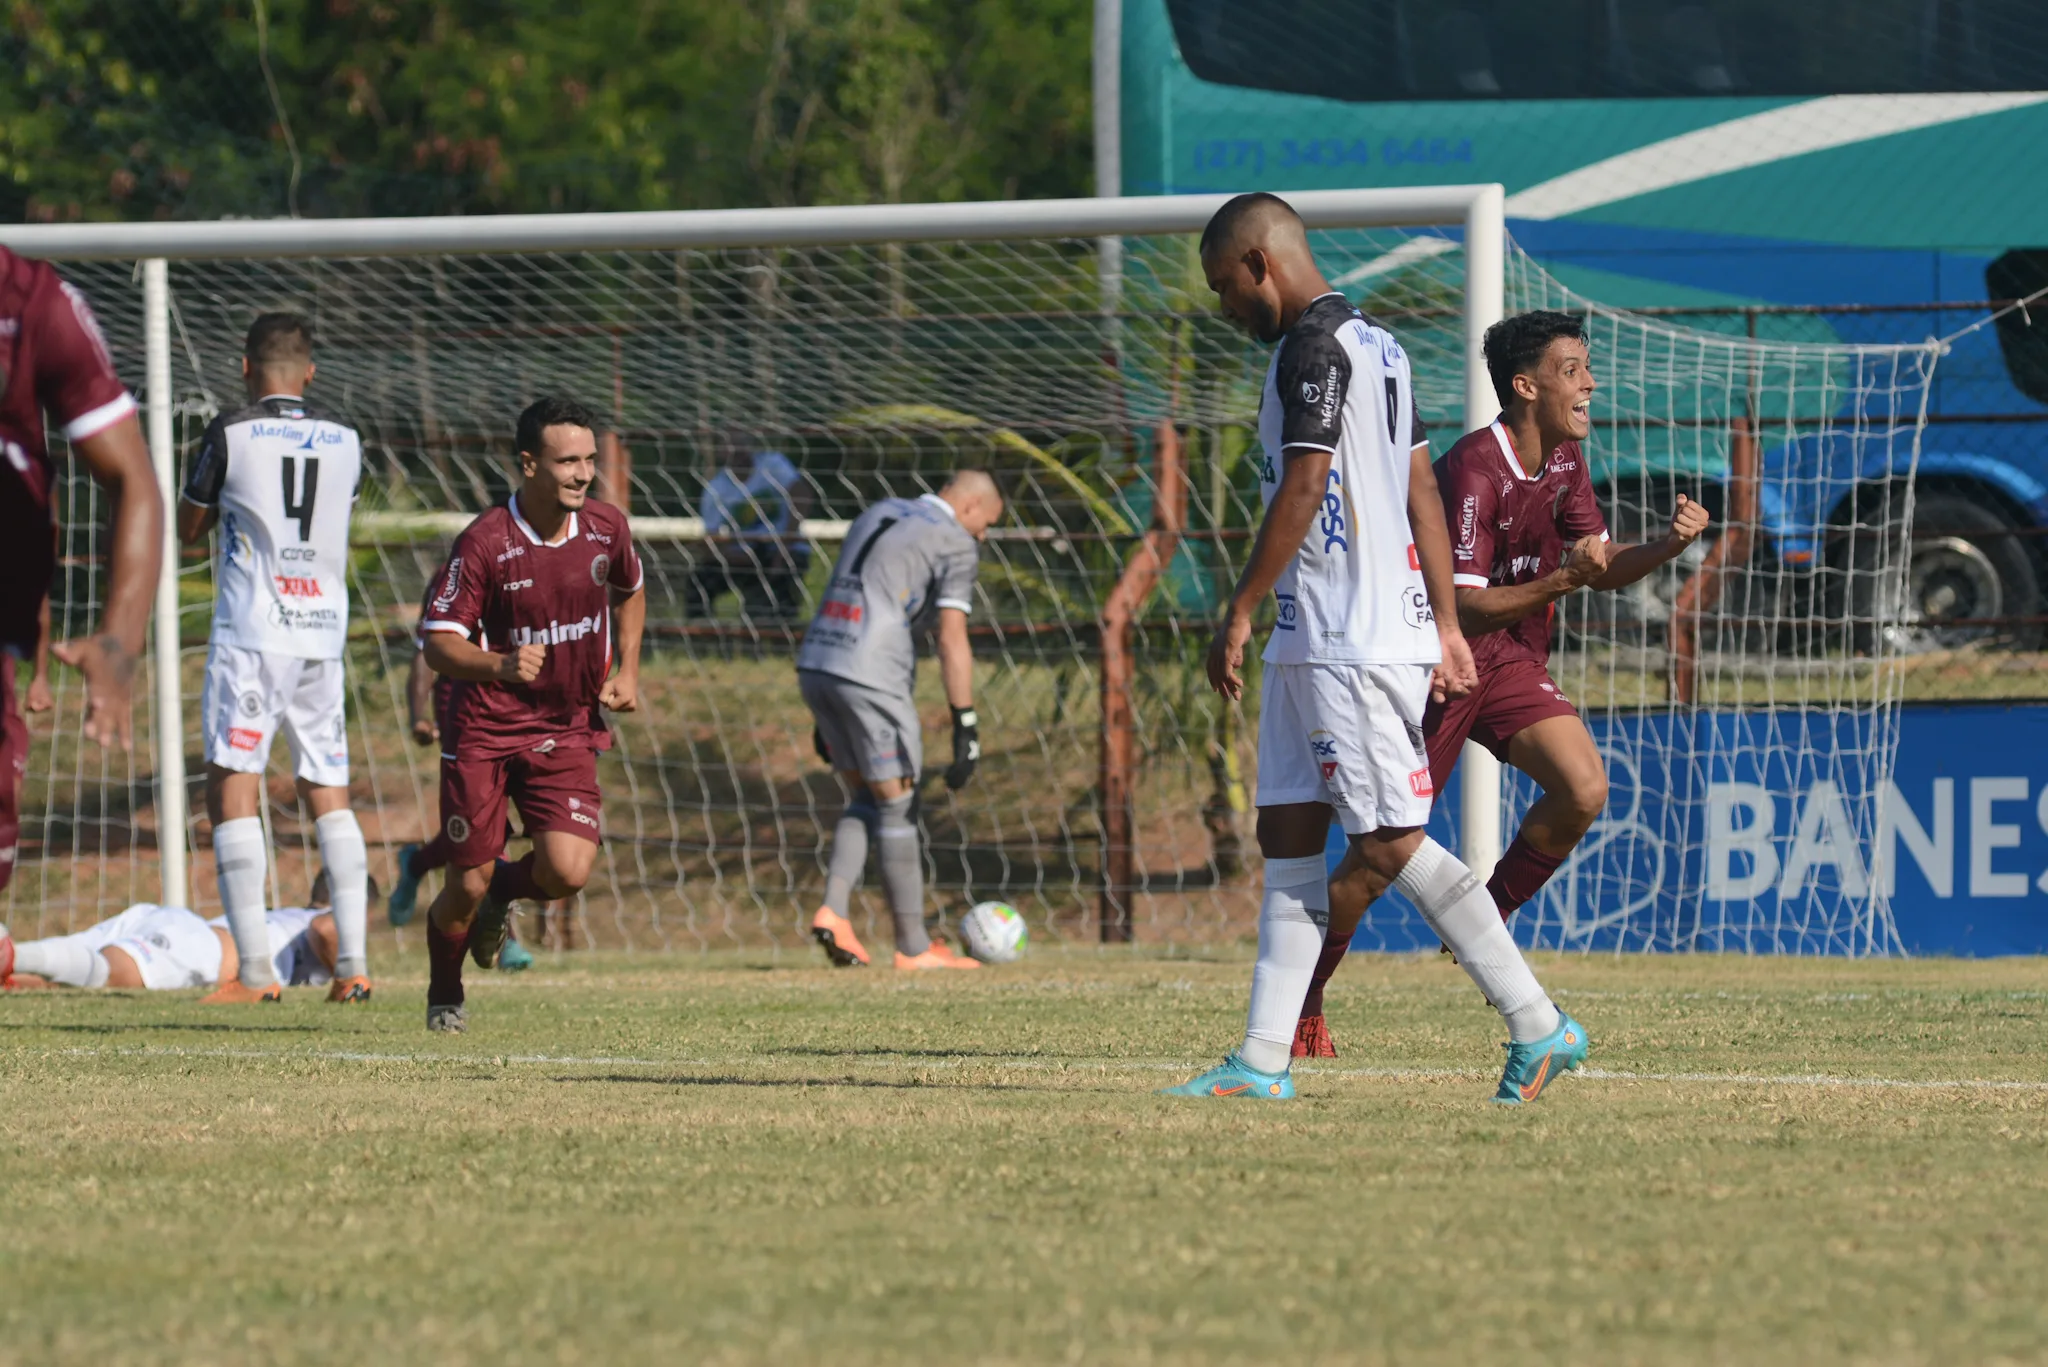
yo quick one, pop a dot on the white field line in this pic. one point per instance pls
(1021, 1064)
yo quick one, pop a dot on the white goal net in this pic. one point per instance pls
(1747, 719)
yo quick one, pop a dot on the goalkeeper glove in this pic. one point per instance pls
(818, 744)
(966, 747)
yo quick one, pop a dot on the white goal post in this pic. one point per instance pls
(1475, 208)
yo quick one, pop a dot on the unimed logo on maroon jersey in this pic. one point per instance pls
(556, 633)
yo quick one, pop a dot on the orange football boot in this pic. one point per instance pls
(232, 993)
(1312, 1039)
(835, 934)
(349, 990)
(940, 955)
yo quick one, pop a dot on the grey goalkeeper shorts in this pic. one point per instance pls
(868, 730)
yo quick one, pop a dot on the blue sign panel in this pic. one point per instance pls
(1776, 831)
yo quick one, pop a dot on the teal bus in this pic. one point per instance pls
(1874, 170)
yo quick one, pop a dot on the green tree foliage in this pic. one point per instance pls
(163, 108)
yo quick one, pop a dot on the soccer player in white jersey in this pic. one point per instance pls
(279, 477)
(1354, 548)
(163, 949)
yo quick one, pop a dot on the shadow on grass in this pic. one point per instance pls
(729, 1080)
(137, 1027)
(885, 1052)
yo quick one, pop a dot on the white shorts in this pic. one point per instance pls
(173, 947)
(249, 693)
(1349, 736)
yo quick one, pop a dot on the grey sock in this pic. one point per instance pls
(849, 852)
(903, 874)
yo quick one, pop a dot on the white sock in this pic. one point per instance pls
(1461, 912)
(1293, 918)
(348, 873)
(238, 865)
(63, 959)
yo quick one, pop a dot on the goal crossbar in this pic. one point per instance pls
(704, 229)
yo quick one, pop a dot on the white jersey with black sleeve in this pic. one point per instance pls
(284, 476)
(1354, 593)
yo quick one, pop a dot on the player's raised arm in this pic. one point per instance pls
(1627, 564)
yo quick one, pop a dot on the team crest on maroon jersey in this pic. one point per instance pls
(600, 566)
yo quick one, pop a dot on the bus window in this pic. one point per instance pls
(2022, 332)
(1399, 50)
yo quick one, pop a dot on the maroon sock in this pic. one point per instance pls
(1334, 950)
(1520, 875)
(513, 881)
(430, 856)
(444, 965)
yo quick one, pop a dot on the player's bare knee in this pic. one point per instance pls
(122, 970)
(562, 873)
(1586, 796)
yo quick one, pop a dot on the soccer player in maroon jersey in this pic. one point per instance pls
(54, 364)
(1526, 530)
(538, 579)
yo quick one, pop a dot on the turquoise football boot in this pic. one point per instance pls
(1232, 1078)
(514, 957)
(405, 893)
(1535, 1065)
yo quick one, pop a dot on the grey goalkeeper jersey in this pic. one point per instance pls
(904, 559)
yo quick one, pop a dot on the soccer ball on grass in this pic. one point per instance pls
(995, 932)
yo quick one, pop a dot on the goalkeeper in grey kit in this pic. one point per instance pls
(908, 564)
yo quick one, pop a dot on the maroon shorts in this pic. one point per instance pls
(13, 768)
(554, 791)
(1511, 695)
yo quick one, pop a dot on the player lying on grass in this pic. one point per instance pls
(167, 948)
(279, 476)
(1526, 531)
(538, 580)
(426, 702)
(1353, 546)
(906, 561)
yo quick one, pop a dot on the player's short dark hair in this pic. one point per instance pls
(322, 894)
(1241, 213)
(1515, 346)
(549, 410)
(279, 339)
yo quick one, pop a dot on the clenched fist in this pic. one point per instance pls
(1688, 520)
(522, 665)
(1585, 562)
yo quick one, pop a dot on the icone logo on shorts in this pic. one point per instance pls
(458, 828)
(1324, 746)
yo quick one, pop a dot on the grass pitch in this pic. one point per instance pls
(753, 1160)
